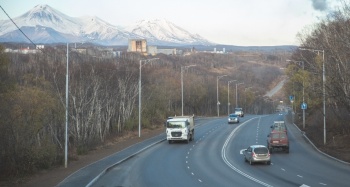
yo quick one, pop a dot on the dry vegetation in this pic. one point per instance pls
(103, 98)
(326, 45)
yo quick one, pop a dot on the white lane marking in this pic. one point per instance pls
(300, 176)
(186, 162)
(304, 185)
(283, 169)
(188, 167)
(223, 155)
(241, 151)
(323, 184)
(192, 173)
(199, 180)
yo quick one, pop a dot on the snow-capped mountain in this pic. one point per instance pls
(163, 31)
(44, 24)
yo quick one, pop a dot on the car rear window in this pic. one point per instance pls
(233, 115)
(279, 135)
(261, 150)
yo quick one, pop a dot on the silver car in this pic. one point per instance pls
(257, 153)
(233, 118)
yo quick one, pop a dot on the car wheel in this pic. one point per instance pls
(268, 162)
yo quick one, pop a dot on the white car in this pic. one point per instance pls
(233, 118)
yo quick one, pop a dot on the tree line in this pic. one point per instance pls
(103, 99)
(324, 50)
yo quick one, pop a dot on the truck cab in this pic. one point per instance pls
(180, 128)
(239, 112)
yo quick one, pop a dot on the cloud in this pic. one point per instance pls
(320, 5)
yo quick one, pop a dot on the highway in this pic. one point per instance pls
(214, 159)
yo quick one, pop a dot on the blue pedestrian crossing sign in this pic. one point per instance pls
(303, 106)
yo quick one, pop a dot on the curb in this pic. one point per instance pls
(327, 155)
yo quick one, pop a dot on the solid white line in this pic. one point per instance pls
(223, 155)
(300, 176)
(283, 169)
(323, 184)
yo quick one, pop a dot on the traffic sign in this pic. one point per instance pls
(291, 98)
(303, 106)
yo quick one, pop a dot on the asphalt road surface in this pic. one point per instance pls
(214, 159)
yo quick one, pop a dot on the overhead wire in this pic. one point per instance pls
(17, 26)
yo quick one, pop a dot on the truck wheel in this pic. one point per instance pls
(192, 136)
(170, 141)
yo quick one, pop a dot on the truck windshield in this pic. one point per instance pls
(176, 124)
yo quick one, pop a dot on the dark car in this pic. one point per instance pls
(278, 140)
(233, 118)
(257, 153)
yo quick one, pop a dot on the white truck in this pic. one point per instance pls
(180, 128)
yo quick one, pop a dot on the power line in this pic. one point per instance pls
(17, 26)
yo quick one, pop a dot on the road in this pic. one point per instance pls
(276, 89)
(214, 159)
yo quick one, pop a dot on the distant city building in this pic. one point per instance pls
(152, 50)
(167, 51)
(39, 46)
(25, 50)
(138, 45)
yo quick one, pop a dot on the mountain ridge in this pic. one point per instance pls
(44, 24)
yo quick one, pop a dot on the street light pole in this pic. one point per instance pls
(67, 99)
(182, 87)
(237, 92)
(217, 92)
(146, 61)
(66, 128)
(228, 96)
(323, 90)
(245, 97)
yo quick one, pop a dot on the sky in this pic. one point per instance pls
(231, 22)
